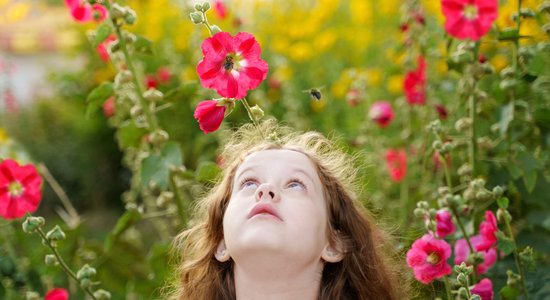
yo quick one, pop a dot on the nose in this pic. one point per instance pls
(267, 191)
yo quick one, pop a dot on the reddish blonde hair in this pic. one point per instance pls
(362, 274)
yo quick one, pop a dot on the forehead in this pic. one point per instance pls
(278, 158)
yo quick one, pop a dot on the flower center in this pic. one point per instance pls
(228, 62)
(433, 258)
(15, 189)
(470, 11)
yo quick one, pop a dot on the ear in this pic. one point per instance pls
(222, 255)
(333, 252)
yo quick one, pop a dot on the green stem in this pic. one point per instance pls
(466, 237)
(515, 60)
(447, 287)
(62, 263)
(151, 120)
(206, 23)
(472, 150)
(251, 116)
(519, 265)
(180, 201)
(447, 171)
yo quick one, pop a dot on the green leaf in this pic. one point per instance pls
(129, 136)
(514, 170)
(128, 219)
(97, 96)
(102, 32)
(529, 165)
(156, 168)
(207, 171)
(508, 293)
(503, 202)
(530, 180)
(510, 34)
(504, 243)
(538, 65)
(506, 116)
(143, 45)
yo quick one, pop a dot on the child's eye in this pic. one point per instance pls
(248, 183)
(296, 184)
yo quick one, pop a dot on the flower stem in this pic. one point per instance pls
(207, 24)
(62, 263)
(180, 201)
(466, 237)
(252, 117)
(472, 150)
(519, 265)
(447, 287)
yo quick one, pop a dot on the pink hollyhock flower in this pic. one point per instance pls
(83, 11)
(484, 289)
(109, 107)
(209, 115)
(164, 74)
(415, 83)
(220, 9)
(469, 18)
(102, 48)
(444, 223)
(462, 251)
(487, 230)
(231, 64)
(428, 258)
(57, 294)
(20, 189)
(381, 113)
(396, 163)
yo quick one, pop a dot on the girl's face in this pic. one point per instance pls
(277, 207)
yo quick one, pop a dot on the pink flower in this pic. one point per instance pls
(164, 74)
(381, 113)
(444, 223)
(487, 230)
(83, 11)
(469, 18)
(209, 115)
(20, 189)
(415, 83)
(396, 163)
(484, 289)
(220, 9)
(109, 107)
(57, 294)
(102, 48)
(462, 251)
(151, 81)
(428, 258)
(231, 65)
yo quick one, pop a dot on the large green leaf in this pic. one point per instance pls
(128, 219)
(129, 135)
(102, 32)
(156, 168)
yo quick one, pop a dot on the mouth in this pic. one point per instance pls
(264, 210)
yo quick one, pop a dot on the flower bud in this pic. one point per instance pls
(153, 95)
(507, 73)
(257, 112)
(475, 258)
(164, 199)
(129, 37)
(158, 137)
(102, 295)
(464, 170)
(85, 283)
(503, 215)
(123, 77)
(422, 204)
(443, 190)
(205, 6)
(513, 279)
(447, 147)
(469, 194)
(56, 234)
(198, 6)
(484, 195)
(462, 279)
(196, 17)
(50, 260)
(442, 202)
(435, 126)
(215, 29)
(478, 183)
(462, 291)
(32, 296)
(497, 191)
(437, 146)
(136, 111)
(130, 17)
(419, 212)
(485, 143)
(33, 223)
(463, 124)
(117, 11)
(460, 268)
(85, 272)
(526, 256)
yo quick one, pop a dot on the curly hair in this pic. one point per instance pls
(363, 273)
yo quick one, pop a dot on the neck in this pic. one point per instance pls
(281, 281)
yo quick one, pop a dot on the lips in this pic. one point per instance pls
(264, 208)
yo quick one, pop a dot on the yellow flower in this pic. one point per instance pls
(361, 12)
(325, 40)
(300, 51)
(3, 136)
(395, 84)
(499, 62)
(374, 77)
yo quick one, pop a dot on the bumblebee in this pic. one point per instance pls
(315, 94)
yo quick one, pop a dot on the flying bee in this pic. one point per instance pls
(314, 93)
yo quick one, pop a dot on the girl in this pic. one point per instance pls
(283, 223)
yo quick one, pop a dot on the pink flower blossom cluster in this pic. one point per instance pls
(82, 11)
(20, 189)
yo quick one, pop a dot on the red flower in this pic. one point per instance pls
(109, 107)
(441, 111)
(381, 113)
(220, 9)
(83, 11)
(396, 162)
(428, 258)
(164, 74)
(57, 294)
(231, 64)
(469, 18)
(484, 289)
(444, 223)
(102, 48)
(462, 251)
(415, 83)
(210, 115)
(487, 229)
(151, 81)
(20, 189)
